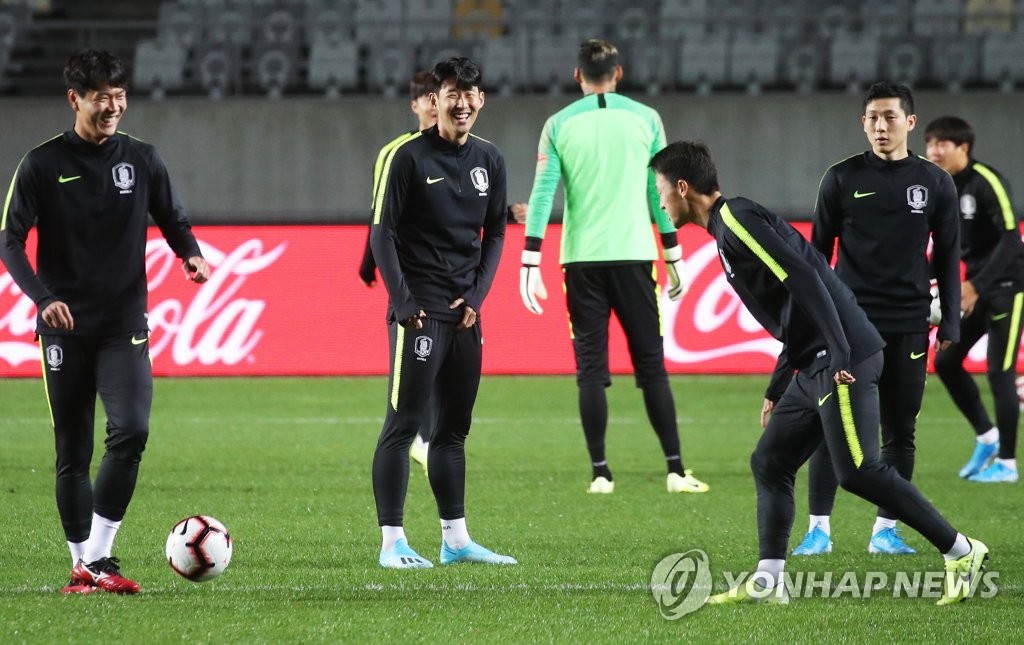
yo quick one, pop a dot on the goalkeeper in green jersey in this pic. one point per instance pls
(599, 147)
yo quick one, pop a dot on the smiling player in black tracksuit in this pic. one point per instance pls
(992, 299)
(442, 187)
(837, 354)
(882, 206)
(89, 193)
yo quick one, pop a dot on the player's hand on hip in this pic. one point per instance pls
(196, 269)
(843, 377)
(531, 285)
(468, 313)
(675, 267)
(415, 321)
(58, 316)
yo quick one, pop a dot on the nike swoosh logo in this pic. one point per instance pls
(431, 180)
(916, 355)
(63, 180)
(1000, 316)
(822, 400)
(139, 341)
(857, 194)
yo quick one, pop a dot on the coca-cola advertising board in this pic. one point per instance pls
(286, 300)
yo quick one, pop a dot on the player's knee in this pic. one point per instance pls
(761, 465)
(128, 441)
(946, 363)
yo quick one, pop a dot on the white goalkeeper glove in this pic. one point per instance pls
(675, 266)
(531, 285)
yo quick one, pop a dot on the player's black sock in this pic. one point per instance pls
(593, 404)
(675, 465)
(601, 470)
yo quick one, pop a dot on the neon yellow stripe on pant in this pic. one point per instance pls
(397, 370)
(1012, 342)
(849, 427)
(46, 388)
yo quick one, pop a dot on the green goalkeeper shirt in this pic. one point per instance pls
(599, 147)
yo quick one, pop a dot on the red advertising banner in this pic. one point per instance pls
(286, 300)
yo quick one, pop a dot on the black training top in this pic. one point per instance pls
(989, 231)
(790, 289)
(439, 224)
(883, 213)
(91, 205)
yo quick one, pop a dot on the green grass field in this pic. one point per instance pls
(285, 464)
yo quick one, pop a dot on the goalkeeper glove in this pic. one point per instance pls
(531, 285)
(678, 284)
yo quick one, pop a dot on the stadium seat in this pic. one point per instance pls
(427, 20)
(327, 25)
(954, 62)
(834, 21)
(681, 19)
(333, 66)
(180, 23)
(582, 22)
(853, 61)
(13, 18)
(647, 65)
(478, 19)
(988, 16)
(218, 69)
(702, 63)
(937, 17)
(279, 24)
(159, 66)
(1002, 60)
(633, 21)
(389, 66)
(802, 67)
(275, 69)
(754, 61)
(501, 65)
(787, 21)
(885, 18)
(550, 64)
(233, 26)
(378, 21)
(903, 63)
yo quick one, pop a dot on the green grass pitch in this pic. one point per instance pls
(285, 464)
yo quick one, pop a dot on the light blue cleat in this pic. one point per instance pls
(473, 552)
(982, 453)
(815, 542)
(401, 556)
(996, 473)
(889, 542)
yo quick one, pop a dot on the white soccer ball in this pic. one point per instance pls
(1020, 392)
(935, 316)
(199, 548)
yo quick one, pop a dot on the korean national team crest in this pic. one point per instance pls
(480, 180)
(917, 197)
(968, 206)
(54, 357)
(124, 176)
(422, 346)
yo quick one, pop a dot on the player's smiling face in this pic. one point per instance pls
(98, 112)
(947, 155)
(886, 126)
(457, 110)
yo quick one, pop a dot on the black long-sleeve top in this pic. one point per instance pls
(91, 205)
(791, 290)
(883, 213)
(989, 231)
(439, 224)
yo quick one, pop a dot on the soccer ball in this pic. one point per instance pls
(1020, 392)
(199, 548)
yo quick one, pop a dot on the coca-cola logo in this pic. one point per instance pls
(217, 325)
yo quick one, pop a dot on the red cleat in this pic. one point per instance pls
(77, 587)
(104, 574)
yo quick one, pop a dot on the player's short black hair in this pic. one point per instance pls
(421, 84)
(690, 161)
(464, 72)
(597, 60)
(888, 91)
(951, 128)
(91, 69)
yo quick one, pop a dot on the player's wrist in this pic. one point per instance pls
(531, 258)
